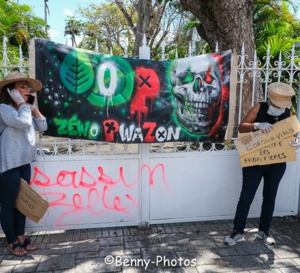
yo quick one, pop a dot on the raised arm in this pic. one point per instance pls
(247, 124)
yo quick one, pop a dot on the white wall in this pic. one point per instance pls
(123, 190)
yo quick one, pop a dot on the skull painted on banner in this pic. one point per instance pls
(197, 90)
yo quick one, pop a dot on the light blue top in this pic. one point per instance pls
(17, 140)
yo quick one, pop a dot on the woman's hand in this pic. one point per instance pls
(295, 144)
(16, 96)
(32, 106)
(264, 126)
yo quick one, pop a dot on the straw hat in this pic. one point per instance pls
(280, 94)
(16, 76)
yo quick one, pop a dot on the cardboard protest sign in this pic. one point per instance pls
(274, 153)
(30, 203)
(255, 141)
(256, 148)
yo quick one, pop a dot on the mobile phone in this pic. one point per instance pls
(31, 99)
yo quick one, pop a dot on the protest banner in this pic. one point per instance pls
(253, 141)
(274, 153)
(93, 96)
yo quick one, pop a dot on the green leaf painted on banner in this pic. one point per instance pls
(76, 72)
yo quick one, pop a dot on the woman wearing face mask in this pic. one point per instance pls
(261, 117)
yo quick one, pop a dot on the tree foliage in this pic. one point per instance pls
(105, 23)
(18, 25)
(275, 26)
(74, 28)
(118, 21)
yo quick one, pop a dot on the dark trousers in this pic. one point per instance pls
(252, 177)
(12, 221)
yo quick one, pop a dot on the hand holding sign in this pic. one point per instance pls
(265, 127)
(295, 143)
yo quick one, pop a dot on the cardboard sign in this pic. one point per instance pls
(254, 141)
(277, 152)
(30, 203)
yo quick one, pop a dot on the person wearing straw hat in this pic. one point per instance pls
(261, 117)
(19, 119)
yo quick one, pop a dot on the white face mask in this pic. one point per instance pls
(273, 111)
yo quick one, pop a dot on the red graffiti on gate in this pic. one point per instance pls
(82, 192)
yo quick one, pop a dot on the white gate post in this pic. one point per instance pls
(144, 53)
(144, 50)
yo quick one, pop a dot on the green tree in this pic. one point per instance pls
(18, 24)
(275, 26)
(105, 23)
(115, 21)
(74, 28)
(158, 20)
(276, 34)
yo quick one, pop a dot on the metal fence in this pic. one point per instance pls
(261, 72)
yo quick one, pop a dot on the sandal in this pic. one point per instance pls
(17, 249)
(27, 245)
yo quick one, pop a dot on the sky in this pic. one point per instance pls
(59, 10)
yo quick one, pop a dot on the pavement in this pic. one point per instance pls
(181, 247)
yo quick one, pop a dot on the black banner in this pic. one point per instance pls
(93, 96)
